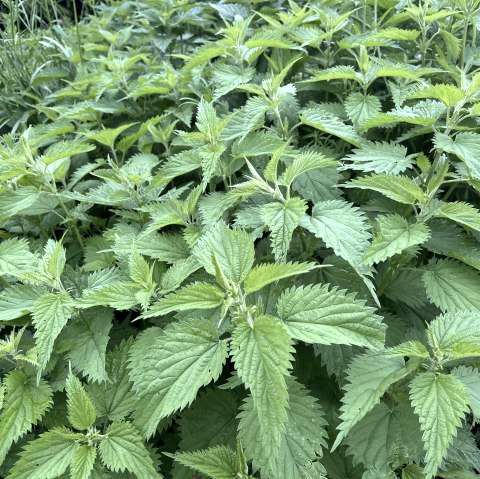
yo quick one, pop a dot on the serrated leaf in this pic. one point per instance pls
(342, 226)
(220, 462)
(455, 334)
(192, 296)
(361, 108)
(81, 411)
(83, 461)
(50, 314)
(452, 286)
(303, 162)
(301, 443)
(462, 213)
(18, 300)
(465, 145)
(369, 376)
(261, 275)
(123, 450)
(114, 398)
(447, 93)
(282, 219)
(24, 404)
(470, 378)
(233, 249)
(324, 121)
(15, 256)
(47, 457)
(398, 188)
(169, 367)
(394, 235)
(262, 353)
(89, 339)
(380, 158)
(315, 314)
(440, 401)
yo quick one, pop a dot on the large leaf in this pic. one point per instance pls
(262, 356)
(440, 401)
(342, 227)
(369, 376)
(465, 145)
(317, 314)
(50, 315)
(169, 367)
(24, 405)
(452, 286)
(122, 449)
(394, 235)
(47, 457)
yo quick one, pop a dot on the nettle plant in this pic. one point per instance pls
(241, 240)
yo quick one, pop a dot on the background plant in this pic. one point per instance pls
(240, 240)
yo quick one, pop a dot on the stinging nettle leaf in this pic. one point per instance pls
(168, 367)
(315, 314)
(440, 401)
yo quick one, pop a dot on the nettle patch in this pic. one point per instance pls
(241, 240)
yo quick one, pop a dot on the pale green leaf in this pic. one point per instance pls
(262, 353)
(192, 296)
(15, 256)
(394, 235)
(50, 315)
(440, 401)
(470, 378)
(123, 450)
(462, 213)
(81, 411)
(168, 367)
(315, 314)
(82, 462)
(47, 457)
(24, 404)
(282, 219)
(266, 273)
(465, 145)
(452, 286)
(361, 108)
(369, 376)
(398, 188)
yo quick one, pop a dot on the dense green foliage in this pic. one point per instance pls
(240, 240)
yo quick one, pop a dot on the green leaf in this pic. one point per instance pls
(301, 443)
(303, 162)
(381, 157)
(325, 121)
(47, 457)
(261, 275)
(50, 315)
(440, 401)
(262, 353)
(447, 93)
(315, 314)
(24, 405)
(54, 259)
(18, 300)
(192, 296)
(168, 367)
(361, 108)
(465, 145)
(282, 219)
(108, 136)
(369, 376)
(123, 450)
(233, 249)
(220, 462)
(394, 235)
(227, 77)
(342, 226)
(117, 294)
(398, 188)
(114, 398)
(455, 335)
(15, 256)
(470, 378)
(88, 339)
(81, 411)
(462, 213)
(83, 461)
(452, 286)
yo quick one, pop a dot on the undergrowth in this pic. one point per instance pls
(240, 240)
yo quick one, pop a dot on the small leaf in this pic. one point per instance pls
(81, 412)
